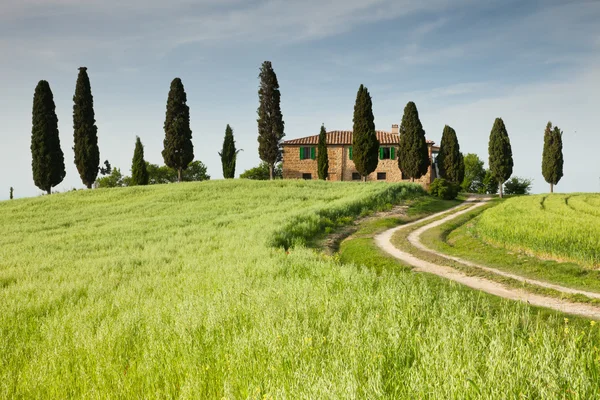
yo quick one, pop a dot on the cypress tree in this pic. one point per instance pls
(322, 157)
(552, 159)
(500, 154)
(11, 192)
(87, 154)
(270, 119)
(178, 148)
(47, 158)
(228, 154)
(413, 154)
(450, 161)
(365, 146)
(139, 172)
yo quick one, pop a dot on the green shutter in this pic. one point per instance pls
(350, 152)
(302, 153)
(312, 153)
(381, 153)
(393, 153)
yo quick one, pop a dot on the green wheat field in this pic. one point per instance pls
(187, 291)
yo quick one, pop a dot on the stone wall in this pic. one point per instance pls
(294, 167)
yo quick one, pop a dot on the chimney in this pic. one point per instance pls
(395, 129)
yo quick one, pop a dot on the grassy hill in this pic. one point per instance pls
(563, 227)
(177, 291)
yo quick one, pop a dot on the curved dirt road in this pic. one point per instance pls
(383, 240)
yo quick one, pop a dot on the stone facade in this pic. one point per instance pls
(300, 158)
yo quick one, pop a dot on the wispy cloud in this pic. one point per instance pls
(69, 26)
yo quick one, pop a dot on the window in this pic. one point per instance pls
(381, 176)
(307, 176)
(355, 176)
(307, 153)
(350, 153)
(387, 153)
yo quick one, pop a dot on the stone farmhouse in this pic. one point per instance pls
(300, 158)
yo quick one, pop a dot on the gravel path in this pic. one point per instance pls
(383, 240)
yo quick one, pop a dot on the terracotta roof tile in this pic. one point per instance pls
(344, 138)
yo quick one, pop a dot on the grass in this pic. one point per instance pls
(466, 344)
(561, 227)
(458, 238)
(359, 250)
(177, 291)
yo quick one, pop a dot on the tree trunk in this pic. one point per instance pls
(552, 188)
(270, 171)
(89, 185)
(412, 180)
(179, 175)
(49, 191)
(500, 188)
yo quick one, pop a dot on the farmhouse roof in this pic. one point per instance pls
(345, 138)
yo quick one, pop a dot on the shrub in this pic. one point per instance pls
(261, 173)
(444, 189)
(517, 185)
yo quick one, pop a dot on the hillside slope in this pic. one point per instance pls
(558, 226)
(176, 291)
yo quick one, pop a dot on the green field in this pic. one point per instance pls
(562, 227)
(186, 291)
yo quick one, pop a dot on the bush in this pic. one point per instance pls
(490, 184)
(444, 189)
(516, 185)
(261, 173)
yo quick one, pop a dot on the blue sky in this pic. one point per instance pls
(464, 63)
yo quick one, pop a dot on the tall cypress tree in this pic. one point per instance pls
(47, 158)
(139, 172)
(365, 146)
(500, 154)
(552, 159)
(322, 157)
(87, 154)
(413, 154)
(270, 119)
(450, 160)
(228, 154)
(178, 150)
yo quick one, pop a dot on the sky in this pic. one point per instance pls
(463, 62)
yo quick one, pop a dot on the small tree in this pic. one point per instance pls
(500, 153)
(114, 179)
(87, 154)
(270, 119)
(474, 174)
(365, 146)
(322, 157)
(261, 173)
(490, 184)
(228, 154)
(178, 149)
(450, 160)
(552, 158)
(139, 172)
(106, 170)
(516, 185)
(47, 158)
(196, 172)
(11, 192)
(413, 154)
